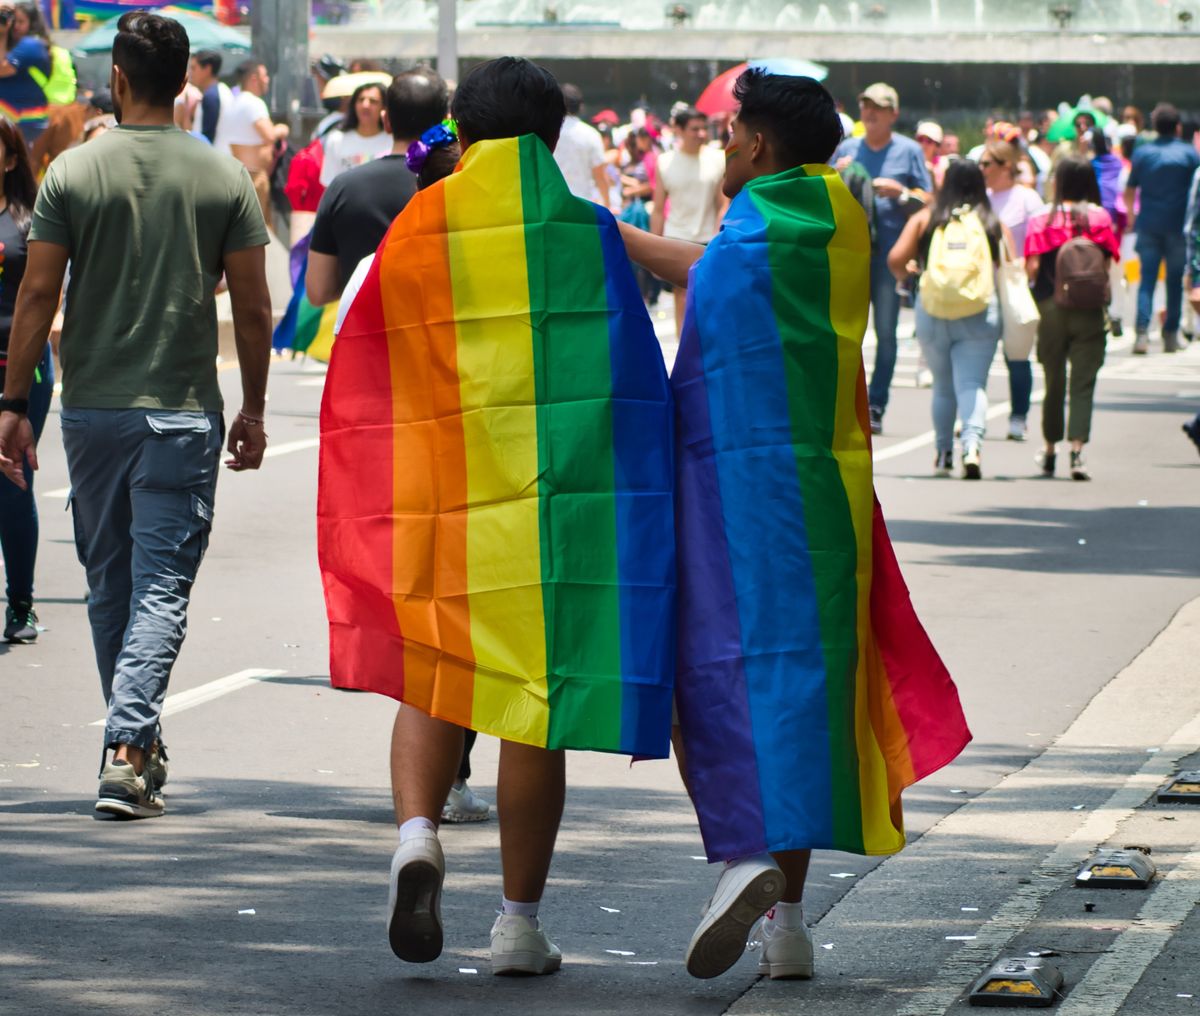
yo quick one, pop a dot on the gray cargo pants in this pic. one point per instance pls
(142, 484)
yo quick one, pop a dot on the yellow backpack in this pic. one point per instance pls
(959, 278)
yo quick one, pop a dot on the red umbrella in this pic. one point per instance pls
(718, 96)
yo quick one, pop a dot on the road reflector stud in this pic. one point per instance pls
(1184, 789)
(1116, 869)
(1019, 981)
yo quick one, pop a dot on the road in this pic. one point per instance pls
(263, 888)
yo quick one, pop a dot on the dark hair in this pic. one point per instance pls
(152, 52)
(211, 59)
(573, 98)
(1074, 180)
(246, 68)
(1165, 118)
(20, 187)
(963, 185)
(685, 116)
(37, 23)
(350, 123)
(508, 97)
(797, 114)
(416, 100)
(439, 164)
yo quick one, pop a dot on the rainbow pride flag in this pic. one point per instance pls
(87, 11)
(304, 327)
(495, 506)
(809, 694)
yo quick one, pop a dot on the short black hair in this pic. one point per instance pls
(1165, 118)
(797, 114)
(685, 116)
(574, 99)
(416, 100)
(246, 68)
(209, 58)
(508, 97)
(152, 52)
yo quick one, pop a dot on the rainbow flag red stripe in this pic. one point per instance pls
(495, 510)
(809, 694)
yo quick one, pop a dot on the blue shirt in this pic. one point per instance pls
(900, 159)
(1163, 170)
(21, 98)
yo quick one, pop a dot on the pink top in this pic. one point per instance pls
(1047, 231)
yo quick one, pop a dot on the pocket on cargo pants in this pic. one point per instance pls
(172, 488)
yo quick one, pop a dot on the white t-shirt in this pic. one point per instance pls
(579, 151)
(346, 149)
(238, 117)
(1015, 207)
(692, 183)
(353, 285)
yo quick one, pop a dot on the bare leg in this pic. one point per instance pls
(680, 757)
(133, 755)
(680, 295)
(529, 799)
(794, 865)
(425, 757)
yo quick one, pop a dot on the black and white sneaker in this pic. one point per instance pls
(1079, 469)
(126, 794)
(20, 622)
(943, 464)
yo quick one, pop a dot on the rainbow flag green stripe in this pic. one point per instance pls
(496, 495)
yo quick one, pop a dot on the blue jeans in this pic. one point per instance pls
(18, 510)
(1020, 386)
(959, 354)
(143, 483)
(1152, 250)
(885, 308)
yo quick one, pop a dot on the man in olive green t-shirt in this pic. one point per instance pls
(149, 218)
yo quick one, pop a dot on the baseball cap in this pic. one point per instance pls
(880, 94)
(608, 116)
(931, 130)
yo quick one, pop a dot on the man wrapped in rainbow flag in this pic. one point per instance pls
(808, 694)
(495, 510)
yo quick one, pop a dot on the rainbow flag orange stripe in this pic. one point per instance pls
(496, 491)
(809, 693)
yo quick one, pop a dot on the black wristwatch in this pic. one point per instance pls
(20, 406)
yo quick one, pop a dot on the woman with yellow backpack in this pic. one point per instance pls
(955, 247)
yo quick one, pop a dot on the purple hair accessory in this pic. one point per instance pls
(438, 136)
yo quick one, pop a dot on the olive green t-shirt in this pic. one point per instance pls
(147, 215)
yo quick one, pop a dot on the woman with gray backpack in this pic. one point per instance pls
(1068, 251)
(956, 246)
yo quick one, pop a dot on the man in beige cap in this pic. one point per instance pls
(901, 180)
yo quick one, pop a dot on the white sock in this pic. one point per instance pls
(513, 908)
(413, 826)
(789, 916)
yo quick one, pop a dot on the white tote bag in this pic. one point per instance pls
(1018, 309)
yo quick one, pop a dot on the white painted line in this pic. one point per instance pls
(291, 446)
(926, 439)
(1016, 913)
(1114, 975)
(62, 493)
(207, 692)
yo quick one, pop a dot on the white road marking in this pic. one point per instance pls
(1114, 975)
(208, 692)
(62, 493)
(926, 439)
(291, 446)
(1016, 913)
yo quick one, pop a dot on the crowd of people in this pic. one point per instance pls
(1021, 234)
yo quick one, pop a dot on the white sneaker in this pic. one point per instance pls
(786, 952)
(463, 806)
(924, 377)
(415, 898)
(746, 890)
(519, 946)
(1016, 428)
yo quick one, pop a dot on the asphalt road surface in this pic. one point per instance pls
(263, 888)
